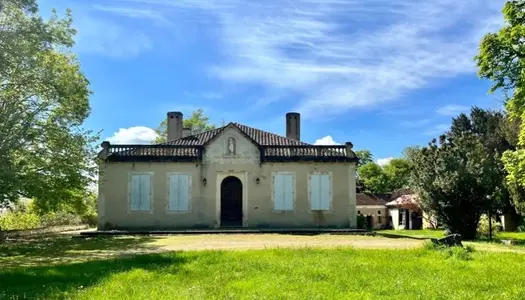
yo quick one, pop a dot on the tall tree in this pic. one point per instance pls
(44, 99)
(373, 178)
(397, 172)
(376, 179)
(453, 179)
(495, 132)
(365, 156)
(198, 122)
(501, 59)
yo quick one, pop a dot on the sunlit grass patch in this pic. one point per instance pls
(277, 274)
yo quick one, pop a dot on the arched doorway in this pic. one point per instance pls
(231, 202)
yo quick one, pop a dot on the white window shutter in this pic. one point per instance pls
(278, 190)
(179, 192)
(325, 192)
(288, 192)
(145, 203)
(174, 191)
(183, 196)
(135, 192)
(315, 191)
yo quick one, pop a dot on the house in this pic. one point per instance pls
(398, 210)
(373, 208)
(232, 176)
(404, 210)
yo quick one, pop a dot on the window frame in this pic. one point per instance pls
(168, 190)
(331, 191)
(130, 179)
(294, 190)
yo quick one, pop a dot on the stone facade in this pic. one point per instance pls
(221, 160)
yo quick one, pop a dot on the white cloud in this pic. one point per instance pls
(327, 140)
(384, 161)
(305, 48)
(133, 135)
(452, 110)
(146, 14)
(335, 55)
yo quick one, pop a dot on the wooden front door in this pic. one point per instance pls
(231, 202)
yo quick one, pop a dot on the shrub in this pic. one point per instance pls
(483, 227)
(90, 219)
(19, 220)
(460, 253)
(59, 219)
(431, 246)
(457, 252)
(28, 215)
(521, 225)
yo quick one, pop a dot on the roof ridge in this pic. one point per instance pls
(271, 133)
(192, 135)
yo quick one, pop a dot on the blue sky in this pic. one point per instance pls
(383, 74)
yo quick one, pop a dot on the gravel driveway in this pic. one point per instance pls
(264, 241)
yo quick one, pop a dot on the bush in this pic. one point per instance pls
(460, 253)
(483, 227)
(19, 220)
(29, 215)
(60, 219)
(521, 225)
(457, 252)
(90, 219)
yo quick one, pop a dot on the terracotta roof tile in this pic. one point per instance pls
(405, 201)
(369, 199)
(264, 138)
(260, 137)
(196, 139)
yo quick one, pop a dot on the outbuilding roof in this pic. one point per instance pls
(369, 199)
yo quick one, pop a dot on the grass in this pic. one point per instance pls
(58, 267)
(275, 274)
(58, 249)
(520, 236)
(340, 273)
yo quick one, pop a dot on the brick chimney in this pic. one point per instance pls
(293, 126)
(174, 125)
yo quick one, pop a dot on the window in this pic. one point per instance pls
(379, 220)
(283, 191)
(320, 191)
(179, 192)
(402, 216)
(358, 212)
(140, 192)
(378, 212)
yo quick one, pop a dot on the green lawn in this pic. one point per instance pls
(270, 274)
(512, 235)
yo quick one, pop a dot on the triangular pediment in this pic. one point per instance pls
(231, 145)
